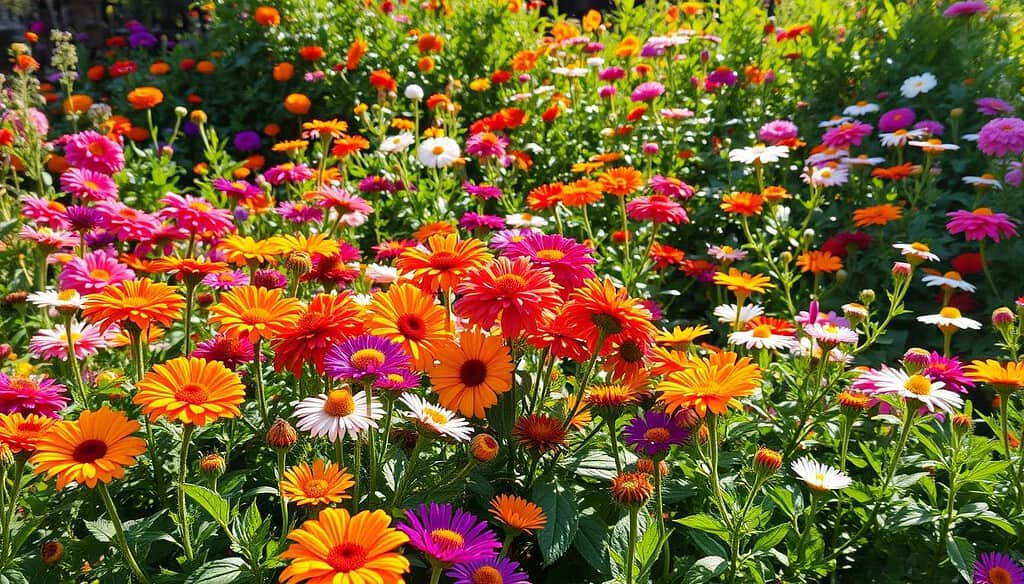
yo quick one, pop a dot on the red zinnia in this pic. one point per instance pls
(599, 312)
(328, 320)
(521, 295)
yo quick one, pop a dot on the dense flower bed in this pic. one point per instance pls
(468, 291)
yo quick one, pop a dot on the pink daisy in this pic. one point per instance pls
(93, 151)
(670, 187)
(238, 189)
(485, 145)
(88, 185)
(226, 280)
(299, 212)
(846, 135)
(657, 209)
(568, 260)
(44, 236)
(288, 172)
(44, 211)
(196, 215)
(981, 223)
(93, 273)
(967, 8)
(87, 338)
(32, 395)
(126, 223)
(647, 91)
(1002, 136)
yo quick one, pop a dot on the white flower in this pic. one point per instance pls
(438, 152)
(932, 394)
(830, 334)
(435, 418)
(762, 337)
(381, 274)
(827, 155)
(860, 108)
(916, 250)
(397, 143)
(900, 137)
(570, 71)
(930, 146)
(983, 181)
(863, 160)
(595, 62)
(951, 279)
(336, 414)
(758, 154)
(820, 477)
(834, 121)
(413, 92)
(827, 176)
(62, 300)
(950, 318)
(525, 220)
(917, 85)
(726, 313)
(362, 299)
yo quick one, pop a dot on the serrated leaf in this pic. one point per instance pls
(216, 506)
(560, 529)
(101, 529)
(223, 571)
(983, 471)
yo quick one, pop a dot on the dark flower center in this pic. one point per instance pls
(89, 451)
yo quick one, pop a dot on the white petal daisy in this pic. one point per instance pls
(61, 300)
(950, 279)
(758, 154)
(436, 419)
(762, 337)
(337, 414)
(820, 477)
(726, 313)
(950, 317)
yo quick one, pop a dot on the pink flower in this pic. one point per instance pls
(93, 273)
(1002, 136)
(981, 223)
(32, 395)
(87, 339)
(1015, 175)
(93, 151)
(778, 131)
(992, 106)
(354, 209)
(670, 187)
(44, 211)
(299, 212)
(88, 185)
(288, 172)
(897, 119)
(647, 91)
(196, 215)
(968, 8)
(126, 223)
(568, 260)
(238, 189)
(226, 280)
(656, 208)
(846, 135)
(44, 236)
(485, 145)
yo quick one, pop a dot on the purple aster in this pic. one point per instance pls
(647, 91)
(398, 383)
(968, 8)
(1002, 136)
(82, 219)
(32, 395)
(366, 358)
(448, 535)
(778, 131)
(606, 91)
(247, 141)
(269, 278)
(948, 370)
(653, 433)
(472, 221)
(141, 38)
(996, 568)
(238, 189)
(896, 119)
(226, 280)
(931, 126)
(719, 77)
(993, 106)
(501, 570)
(1016, 174)
(231, 352)
(568, 260)
(482, 191)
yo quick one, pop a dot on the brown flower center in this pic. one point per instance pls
(657, 435)
(89, 451)
(473, 372)
(486, 575)
(997, 575)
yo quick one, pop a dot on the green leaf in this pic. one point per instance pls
(224, 571)
(961, 554)
(592, 543)
(101, 529)
(984, 471)
(595, 464)
(217, 506)
(998, 522)
(706, 523)
(705, 569)
(559, 505)
(771, 538)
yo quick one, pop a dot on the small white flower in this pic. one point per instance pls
(951, 279)
(900, 137)
(61, 300)
(834, 121)
(950, 317)
(336, 414)
(758, 154)
(928, 145)
(932, 394)
(726, 313)
(520, 220)
(820, 477)
(826, 156)
(916, 250)
(827, 176)
(983, 181)
(863, 160)
(397, 143)
(917, 85)
(438, 152)
(435, 418)
(830, 334)
(381, 274)
(762, 337)
(413, 92)
(595, 62)
(860, 108)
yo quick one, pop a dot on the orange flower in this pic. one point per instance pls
(598, 311)
(190, 390)
(621, 181)
(877, 215)
(246, 251)
(355, 53)
(517, 513)
(819, 262)
(346, 145)
(22, 432)
(328, 320)
(382, 80)
(581, 192)
(267, 16)
(743, 284)
(140, 302)
(473, 373)
(321, 484)
(256, 313)
(311, 53)
(204, 68)
(409, 316)
(283, 71)
(444, 263)
(77, 104)
(297, 104)
(143, 98)
(711, 383)
(431, 229)
(896, 173)
(95, 448)
(745, 204)
(545, 196)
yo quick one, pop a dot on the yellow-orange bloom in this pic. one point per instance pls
(22, 432)
(473, 373)
(712, 383)
(745, 204)
(243, 250)
(1003, 377)
(407, 315)
(256, 313)
(877, 215)
(444, 263)
(819, 262)
(140, 302)
(743, 284)
(145, 97)
(323, 483)
(190, 390)
(621, 181)
(518, 513)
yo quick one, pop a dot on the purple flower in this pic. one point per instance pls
(1002, 136)
(398, 382)
(482, 191)
(647, 91)
(141, 38)
(968, 8)
(778, 131)
(653, 432)
(606, 91)
(299, 212)
(448, 535)
(472, 221)
(247, 141)
(231, 352)
(82, 219)
(226, 280)
(896, 119)
(931, 126)
(238, 189)
(366, 358)
(996, 568)
(501, 570)
(993, 106)
(1016, 174)
(719, 77)
(32, 395)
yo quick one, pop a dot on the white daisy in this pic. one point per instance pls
(762, 337)
(900, 137)
(932, 145)
(520, 220)
(860, 108)
(726, 313)
(950, 318)
(827, 155)
(438, 152)
(397, 143)
(808, 347)
(413, 92)
(863, 160)
(950, 279)
(985, 180)
(827, 176)
(758, 154)
(917, 85)
(61, 300)
(435, 418)
(931, 394)
(829, 334)
(917, 251)
(834, 121)
(820, 477)
(381, 274)
(336, 414)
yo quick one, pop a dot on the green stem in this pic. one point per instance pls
(631, 548)
(12, 505)
(190, 290)
(282, 456)
(615, 445)
(403, 483)
(716, 487)
(261, 397)
(435, 572)
(357, 465)
(76, 370)
(186, 536)
(119, 534)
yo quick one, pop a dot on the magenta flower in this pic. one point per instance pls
(931, 126)
(88, 185)
(647, 91)
(196, 215)
(288, 172)
(366, 358)
(230, 352)
(1015, 176)
(670, 186)
(611, 73)
(568, 260)
(981, 223)
(93, 272)
(485, 145)
(448, 535)
(32, 395)
(657, 209)
(992, 106)
(968, 8)
(484, 571)
(482, 191)
(845, 135)
(778, 131)
(126, 223)
(948, 370)
(896, 119)
(472, 221)
(226, 280)
(46, 237)
(93, 151)
(44, 211)
(238, 189)
(996, 568)
(299, 212)
(1002, 136)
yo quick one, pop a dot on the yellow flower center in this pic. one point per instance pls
(657, 435)
(255, 315)
(952, 276)
(949, 312)
(200, 206)
(66, 295)
(762, 331)
(367, 358)
(99, 274)
(436, 416)
(315, 488)
(486, 575)
(918, 385)
(509, 283)
(551, 255)
(447, 540)
(920, 247)
(339, 403)
(982, 211)
(91, 185)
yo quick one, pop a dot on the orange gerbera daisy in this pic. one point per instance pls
(190, 390)
(347, 145)
(22, 432)
(515, 293)
(245, 251)
(409, 316)
(743, 284)
(580, 193)
(600, 312)
(877, 215)
(473, 373)
(545, 196)
(316, 244)
(338, 547)
(896, 173)
(621, 181)
(1003, 377)
(290, 146)
(191, 270)
(819, 262)
(444, 263)
(681, 338)
(140, 302)
(328, 320)
(321, 128)
(665, 360)
(321, 484)
(711, 383)
(256, 313)
(95, 448)
(429, 230)
(518, 514)
(745, 204)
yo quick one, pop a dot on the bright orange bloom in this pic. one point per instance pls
(297, 104)
(743, 284)
(355, 53)
(246, 251)
(327, 321)
(429, 230)
(598, 311)
(518, 513)
(143, 98)
(77, 104)
(283, 72)
(95, 448)
(382, 80)
(267, 16)
(444, 263)
(521, 295)
(545, 196)
(621, 181)
(877, 215)
(256, 313)
(581, 192)
(338, 547)
(745, 204)
(290, 146)
(22, 432)
(140, 302)
(896, 173)
(711, 383)
(311, 52)
(819, 262)
(473, 373)
(407, 315)
(190, 390)
(346, 145)
(323, 483)
(321, 128)
(664, 256)
(1003, 377)
(191, 270)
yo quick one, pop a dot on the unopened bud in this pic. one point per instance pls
(180, 111)
(484, 447)
(842, 275)
(867, 296)
(52, 552)
(299, 262)
(855, 313)
(916, 359)
(198, 116)
(212, 465)
(786, 258)
(204, 299)
(282, 435)
(963, 423)
(901, 271)
(956, 112)
(688, 418)
(646, 466)
(767, 461)
(1002, 317)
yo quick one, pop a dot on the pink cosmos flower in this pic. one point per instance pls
(846, 135)
(93, 273)
(126, 223)
(981, 223)
(87, 339)
(93, 151)
(196, 215)
(44, 211)
(32, 395)
(88, 185)
(992, 106)
(657, 209)
(238, 189)
(1002, 136)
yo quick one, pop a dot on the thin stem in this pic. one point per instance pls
(261, 397)
(282, 456)
(357, 465)
(403, 483)
(122, 541)
(615, 445)
(76, 370)
(186, 536)
(435, 572)
(631, 548)
(12, 505)
(716, 488)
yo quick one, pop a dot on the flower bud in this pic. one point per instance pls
(413, 92)
(915, 360)
(282, 435)
(632, 489)
(52, 552)
(867, 296)
(786, 258)
(767, 461)
(688, 418)
(852, 403)
(484, 447)
(956, 112)
(212, 465)
(198, 116)
(6, 456)
(963, 424)
(855, 313)
(204, 299)
(842, 275)
(1002, 318)
(299, 262)
(901, 271)
(180, 111)
(646, 466)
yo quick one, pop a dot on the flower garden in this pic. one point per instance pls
(473, 291)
